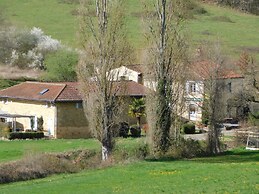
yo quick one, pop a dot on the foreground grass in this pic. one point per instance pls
(16, 149)
(234, 172)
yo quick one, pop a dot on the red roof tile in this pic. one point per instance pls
(131, 88)
(229, 74)
(70, 92)
(63, 91)
(31, 91)
(205, 69)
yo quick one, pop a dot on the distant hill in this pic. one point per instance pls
(235, 30)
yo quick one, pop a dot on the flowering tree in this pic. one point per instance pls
(26, 49)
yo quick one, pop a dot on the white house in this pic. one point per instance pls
(131, 73)
(194, 99)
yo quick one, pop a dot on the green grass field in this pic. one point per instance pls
(236, 31)
(16, 149)
(234, 172)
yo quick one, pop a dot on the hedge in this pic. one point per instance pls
(135, 131)
(26, 135)
(188, 128)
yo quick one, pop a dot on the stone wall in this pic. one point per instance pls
(71, 122)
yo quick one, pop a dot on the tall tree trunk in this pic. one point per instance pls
(105, 48)
(167, 55)
(138, 121)
(163, 123)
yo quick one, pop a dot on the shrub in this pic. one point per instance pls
(26, 135)
(135, 131)
(5, 83)
(24, 48)
(4, 130)
(253, 119)
(42, 165)
(240, 138)
(251, 6)
(123, 129)
(192, 8)
(61, 66)
(82, 158)
(188, 148)
(188, 128)
(35, 166)
(7, 44)
(133, 152)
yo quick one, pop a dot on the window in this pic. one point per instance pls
(192, 109)
(79, 105)
(5, 101)
(48, 105)
(123, 77)
(44, 91)
(192, 87)
(229, 87)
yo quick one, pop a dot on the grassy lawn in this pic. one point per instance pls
(234, 172)
(4, 83)
(236, 31)
(16, 149)
(53, 18)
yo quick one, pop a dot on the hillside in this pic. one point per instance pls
(235, 30)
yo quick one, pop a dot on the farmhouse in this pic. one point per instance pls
(232, 84)
(58, 105)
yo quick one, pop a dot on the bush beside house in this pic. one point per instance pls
(188, 128)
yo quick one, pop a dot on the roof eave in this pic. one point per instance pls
(29, 99)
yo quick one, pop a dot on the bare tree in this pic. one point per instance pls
(250, 71)
(213, 104)
(105, 47)
(167, 55)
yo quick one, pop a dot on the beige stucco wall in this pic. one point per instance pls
(61, 120)
(194, 99)
(71, 122)
(31, 108)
